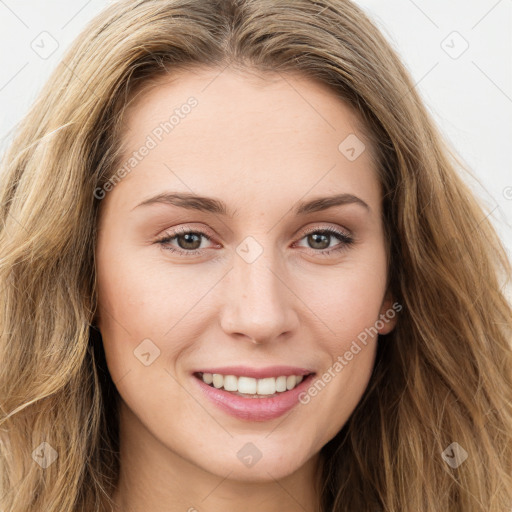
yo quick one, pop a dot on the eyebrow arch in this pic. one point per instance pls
(323, 203)
(212, 205)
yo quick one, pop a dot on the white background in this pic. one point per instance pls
(469, 95)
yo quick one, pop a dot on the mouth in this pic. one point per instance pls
(254, 399)
(250, 387)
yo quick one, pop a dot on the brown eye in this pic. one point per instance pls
(319, 240)
(188, 241)
(191, 241)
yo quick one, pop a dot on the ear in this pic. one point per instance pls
(388, 315)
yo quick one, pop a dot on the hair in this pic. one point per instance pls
(443, 375)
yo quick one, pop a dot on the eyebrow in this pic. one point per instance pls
(216, 206)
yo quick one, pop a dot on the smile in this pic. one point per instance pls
(251, 387)
(251, 398)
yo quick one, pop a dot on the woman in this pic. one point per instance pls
(240, 271)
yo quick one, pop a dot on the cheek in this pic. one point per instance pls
(350, 348)
(138, 306)
(345, 298)
(347, 304)
(138, 292)
(144, 303)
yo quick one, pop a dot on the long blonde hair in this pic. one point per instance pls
(443, 376)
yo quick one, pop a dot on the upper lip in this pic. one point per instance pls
(257, 373)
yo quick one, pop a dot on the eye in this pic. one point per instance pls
(189, 241)
(319, 240)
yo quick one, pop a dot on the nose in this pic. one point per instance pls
(259, 302)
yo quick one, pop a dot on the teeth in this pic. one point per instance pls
(230, 383)
(246, 385)
(281, 384)
(218, 380)
(250, 386)
(266, 386)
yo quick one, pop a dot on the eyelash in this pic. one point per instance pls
(346, 240)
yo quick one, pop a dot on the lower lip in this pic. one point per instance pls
(254, 409)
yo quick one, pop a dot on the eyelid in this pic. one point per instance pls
(342, 231)
(187, 228)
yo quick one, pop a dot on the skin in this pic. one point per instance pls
(261, 145)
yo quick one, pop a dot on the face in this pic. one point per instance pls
(252, 283)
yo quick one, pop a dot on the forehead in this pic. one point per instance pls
(237, 103)
(224, 132)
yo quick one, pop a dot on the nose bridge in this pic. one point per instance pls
(258, 281)
(258, 303)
